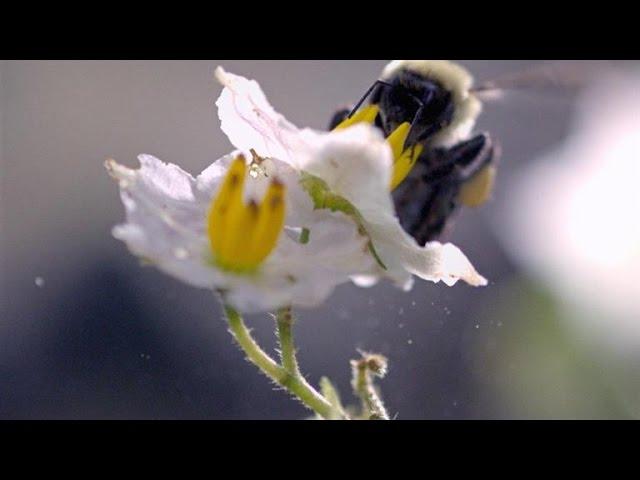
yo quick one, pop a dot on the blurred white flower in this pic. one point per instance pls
(574, 217)
(237, 228)
(351, 170)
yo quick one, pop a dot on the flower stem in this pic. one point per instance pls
(372, 406)
(289, 379)
(284, 322)
(254, 353)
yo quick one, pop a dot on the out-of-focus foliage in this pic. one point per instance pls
(539, 368)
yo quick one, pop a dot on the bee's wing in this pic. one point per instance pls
(568, 75)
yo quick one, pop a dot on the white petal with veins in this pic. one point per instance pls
(166, 225)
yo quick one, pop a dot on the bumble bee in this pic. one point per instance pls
(454, 168)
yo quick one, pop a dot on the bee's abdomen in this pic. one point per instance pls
(424, 205)
(428, 199)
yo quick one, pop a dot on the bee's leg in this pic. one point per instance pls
(425, 208)
(473, 155)
(339, 117)
(442, 181)
(468, 158)
(422, 134)
(476, 166)
(344, 113)
(376, 84)
(409, 140)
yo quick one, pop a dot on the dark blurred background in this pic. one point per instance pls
(86, 332)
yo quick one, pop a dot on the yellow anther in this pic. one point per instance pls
(242, 235)
(239, 256)
(478, 190)
(230, 190)
(403, 159)
(396, 140)
(404, 164)
(366, 114)
(270, 222)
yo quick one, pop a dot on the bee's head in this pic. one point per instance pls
(443, 88)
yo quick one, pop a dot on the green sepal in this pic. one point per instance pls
(330, 393)
(304, 236)
(324, 198)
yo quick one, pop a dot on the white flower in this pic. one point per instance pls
(207, 232)
(574, 216)
(350, 170)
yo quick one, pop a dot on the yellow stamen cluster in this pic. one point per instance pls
(242, 235)
(403, 159)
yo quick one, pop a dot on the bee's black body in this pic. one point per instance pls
(427, 199)
(412, 97)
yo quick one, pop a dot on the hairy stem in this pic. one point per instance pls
(254, 353)
(284, 322)
(292, 382)
(362, 382)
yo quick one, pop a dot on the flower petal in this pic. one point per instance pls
(164, 222)
(356, 164)
(166, 212)
(306, 274)
(250, 122)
